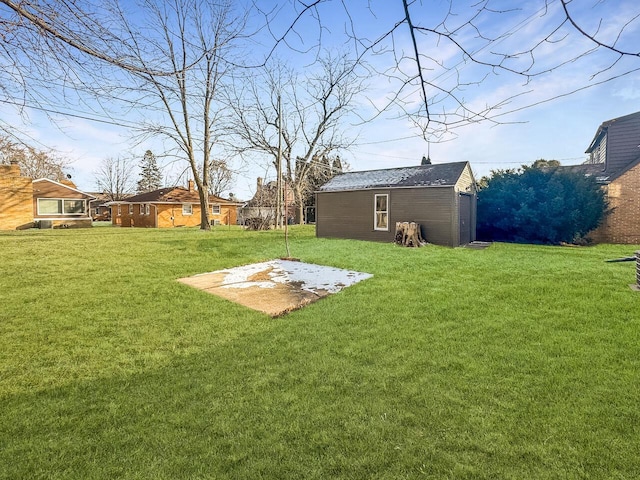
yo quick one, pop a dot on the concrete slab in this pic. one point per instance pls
(275, 287)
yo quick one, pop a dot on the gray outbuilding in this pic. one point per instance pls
(366, 205)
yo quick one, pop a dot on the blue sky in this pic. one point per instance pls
(559, 129)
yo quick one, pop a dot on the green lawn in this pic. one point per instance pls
(513, 362)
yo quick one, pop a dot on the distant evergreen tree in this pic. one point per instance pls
(337, 166)
(321, 171)
(150, 174)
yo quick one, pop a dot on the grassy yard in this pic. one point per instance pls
(512, 362)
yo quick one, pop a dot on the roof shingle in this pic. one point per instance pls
(172, 195)
(443, 174)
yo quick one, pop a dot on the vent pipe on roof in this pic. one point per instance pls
(425, 161)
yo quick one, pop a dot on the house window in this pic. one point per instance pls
(56, 206)
(215, 209)
(142, 209)
(146, 209)
(49, 206)
(187, 209)
(381, 220)
(73, 207)
(119, 209)
(130, 209)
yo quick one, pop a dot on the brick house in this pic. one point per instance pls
(99, 207)
(16, 199)
(614, 159)
(60, 205)
(171, 207)
(25, 203)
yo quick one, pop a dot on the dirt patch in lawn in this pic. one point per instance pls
(275, 287)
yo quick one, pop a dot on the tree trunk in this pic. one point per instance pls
(408, 234)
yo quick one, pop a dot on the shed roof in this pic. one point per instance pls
(435, 175)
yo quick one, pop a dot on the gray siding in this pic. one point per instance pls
(350, 214)
(622, 140)
(598, 154)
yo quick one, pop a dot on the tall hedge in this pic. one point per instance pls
(536, 205)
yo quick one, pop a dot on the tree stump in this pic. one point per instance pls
(408, 234)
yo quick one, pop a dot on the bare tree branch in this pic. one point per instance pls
(314, 112)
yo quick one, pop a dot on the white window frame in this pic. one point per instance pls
(141, 209)
(131, 209)
(376, 212)
(187, 209)
(214, 208)
(147, 209)
(119, 210)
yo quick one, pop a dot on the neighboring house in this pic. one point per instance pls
(263, 204)
(171, 207)
(25, 203)
(366, 205)
(614, 160)
(99, 207)
(60, 205)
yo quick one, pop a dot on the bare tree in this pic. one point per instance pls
(115, 177)
(34, 163)
(434, 57)
(314, 109)
(166, 60)
(220, 177)
(169, 58)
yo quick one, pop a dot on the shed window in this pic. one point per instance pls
(381, 221)
(130, 209)
(142, 209)
(146, 209)
(119, 209)
(215, 209)
(187, 209)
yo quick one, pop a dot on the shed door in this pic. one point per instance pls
(465, 218)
